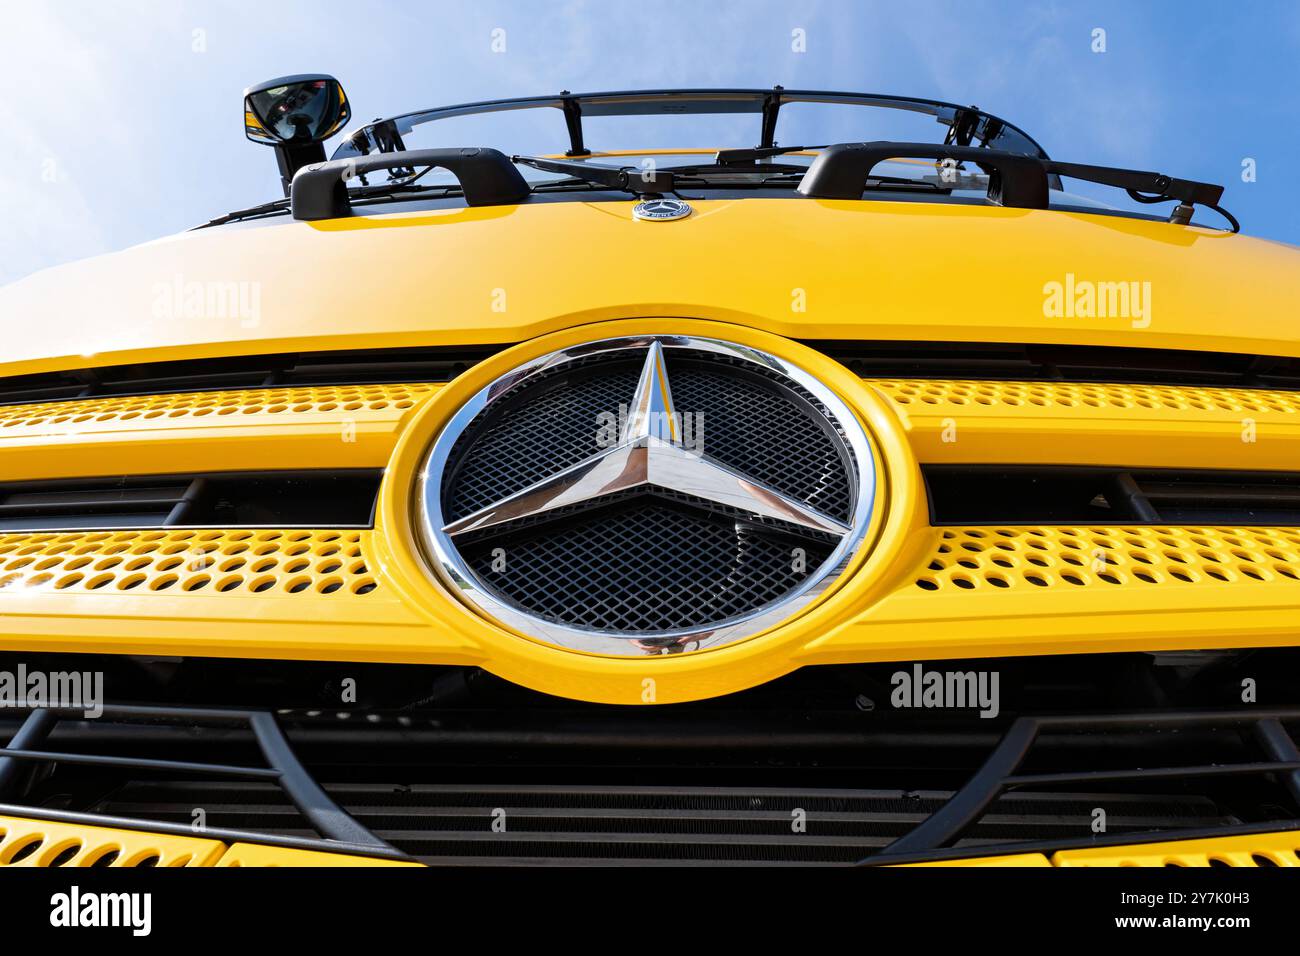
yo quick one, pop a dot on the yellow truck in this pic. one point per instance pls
(775, 502)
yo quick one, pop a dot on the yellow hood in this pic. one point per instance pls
(801, 268)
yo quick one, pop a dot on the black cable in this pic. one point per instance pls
(1236, 226)
(1146, 198)
(1149, 199)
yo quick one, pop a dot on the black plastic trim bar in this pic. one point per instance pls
(339, 831)
(998, 772)
(1277, 743)
(486, 177)
(323, 813)
(31, 732)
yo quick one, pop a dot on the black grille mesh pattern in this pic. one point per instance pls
(646, 567)
(648, 563)
(766, 434)
(543, 429)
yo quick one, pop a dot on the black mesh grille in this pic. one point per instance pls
(770, 435)
(646, 567)
(545, 428)
(647, 563)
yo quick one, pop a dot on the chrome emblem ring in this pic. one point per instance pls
(645, 457)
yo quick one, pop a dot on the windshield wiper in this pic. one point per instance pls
(743, 157)
(628, 179)
(266, 208)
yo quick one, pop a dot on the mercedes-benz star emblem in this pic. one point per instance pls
(649, 454)
(661, 210)
(602, 547)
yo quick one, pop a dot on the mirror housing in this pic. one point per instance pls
(295, 114)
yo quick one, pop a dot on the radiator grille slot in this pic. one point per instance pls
(325, 498)
(454, 824)
(1068, 363)
(1001, 494)
(1077, 363)
(121, 503)
(369, 367)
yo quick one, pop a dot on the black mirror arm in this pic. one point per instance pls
(292, 157)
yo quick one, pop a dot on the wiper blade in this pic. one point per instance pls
(624, 178)
(275, 205)
(738, 157)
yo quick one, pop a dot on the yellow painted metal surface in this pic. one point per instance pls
(258, 854)
(45, 843)
(843, 269)
(1263, 849)
(1017, 860)
(1068, 423)
(1267, 849)
(338, 426)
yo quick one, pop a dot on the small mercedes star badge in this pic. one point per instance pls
(661, 210)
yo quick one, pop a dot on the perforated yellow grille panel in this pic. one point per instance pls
(310, 563)
(91, 413)
(257, 854)
(1264, 849)
(1105, 557)
(1066, 395)
(344, 426)
(1268, 849)
(1071, 423)
(43, 843)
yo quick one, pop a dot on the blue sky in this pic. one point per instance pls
(121, 121)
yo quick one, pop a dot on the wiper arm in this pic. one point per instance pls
(625, 178)
(740, 157)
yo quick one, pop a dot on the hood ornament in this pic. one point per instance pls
(661, 210)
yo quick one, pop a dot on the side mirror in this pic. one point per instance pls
(295, 114)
